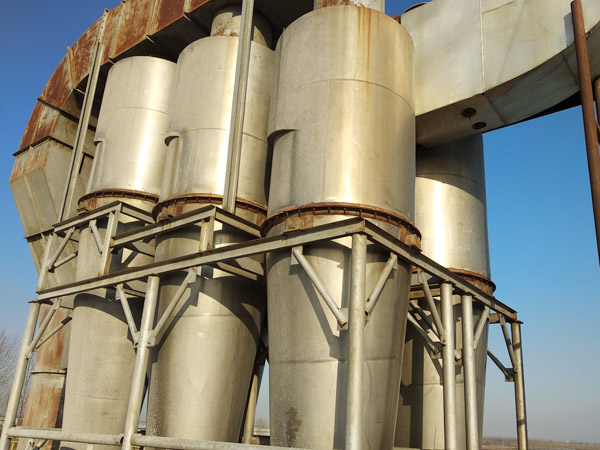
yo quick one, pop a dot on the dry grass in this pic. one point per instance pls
(497, 443)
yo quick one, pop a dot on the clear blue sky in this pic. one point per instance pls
(542, 240)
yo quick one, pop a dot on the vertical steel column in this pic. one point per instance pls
(251, 409)
(356, 343)
(523, 442)
(450, 435)
(18, 380)
(136, 395)
(238, 108)
(82, 126)
(590, 123)
(470, 383)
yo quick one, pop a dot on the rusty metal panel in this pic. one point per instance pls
(45, 395)
(41, 123)
(111, 32)
(134, 17)
(195, 4)
(165, 13)
(51, 355)
(81, 53)
(59, 87)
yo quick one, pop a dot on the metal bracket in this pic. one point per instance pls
(156, 333)
(299, 258)
(378, 288)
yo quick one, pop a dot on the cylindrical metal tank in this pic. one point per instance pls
(128, 165)
(378, 5)
(343, 128)
(202, 366)
(451, 214)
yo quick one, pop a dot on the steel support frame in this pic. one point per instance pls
(515, 374)
(362, 232)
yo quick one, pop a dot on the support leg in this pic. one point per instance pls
(471, 416)
(17, 386)
(356, 344)
(136, 396)
(522, 438)
(449, 370)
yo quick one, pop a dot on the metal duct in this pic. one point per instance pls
(202, 365)
(342, 124)
(451, 214)
(128, 166)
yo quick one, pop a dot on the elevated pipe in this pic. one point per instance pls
(522, 436)
(590, 123)
(450, 428)
(471, 416)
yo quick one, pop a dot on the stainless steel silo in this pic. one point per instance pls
(202, 366)
(451, 214)
(342, 125)
(128, 166)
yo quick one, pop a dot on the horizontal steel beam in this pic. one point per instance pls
(231, 252)
(288, 240)
(416, 258)
(57, 434)
(189, 444)
(163, 226)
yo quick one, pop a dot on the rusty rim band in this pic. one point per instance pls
(162, 208)
(406, 227)
(478, 280)
(86, 200)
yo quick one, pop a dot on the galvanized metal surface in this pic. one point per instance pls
(451, 210)
(340, 79)
(238, 106)
(522, 433)
(481, 55)
(378, 5)
(328, 109)
(219, 317)
(449, 371)
(227, 22)
(132, 126)
(451, 214)
(470, 375)
(199, 136)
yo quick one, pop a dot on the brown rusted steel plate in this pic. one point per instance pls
(134, 18)
(195, 4)
(165, 13)
(59, 87)
(111, 33)
(40, 125)
(51, 355)
(82, 51)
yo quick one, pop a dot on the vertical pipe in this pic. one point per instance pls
(136, 395)
(238, 108)
(450, 430)
(251, 410)
(590, 123)
(471, 416)
(21, 369)
(356, 343)
(82, 126)
(520, 388)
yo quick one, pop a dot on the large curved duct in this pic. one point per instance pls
(344, 73)
(202, 365)
(451, 214)
(128, 166)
